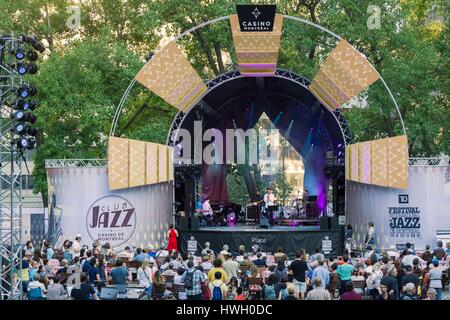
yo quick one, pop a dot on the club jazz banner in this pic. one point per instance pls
(84, 205)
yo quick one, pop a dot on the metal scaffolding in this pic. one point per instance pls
(10, 177)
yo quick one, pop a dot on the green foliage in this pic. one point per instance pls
(282, 187)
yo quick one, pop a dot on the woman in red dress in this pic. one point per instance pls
(173, 235)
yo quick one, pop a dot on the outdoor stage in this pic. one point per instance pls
(290, 238)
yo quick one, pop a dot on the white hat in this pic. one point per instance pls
(77, 235)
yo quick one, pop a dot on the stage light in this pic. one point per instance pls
(32, 131)
(33, 42)
(31, 143)
(22, 143)
(26, 90)
(20, 128)
(21, 68)
(19, 115)
(19, 54)
(339, 145)
(32, 55)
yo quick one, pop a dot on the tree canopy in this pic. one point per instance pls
(86, 68)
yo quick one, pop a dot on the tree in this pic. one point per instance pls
(282, 186)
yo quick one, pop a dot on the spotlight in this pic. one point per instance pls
(28, 105)
(22, 143)
(339, 145)
(32, 131)
(19, 115)
(20, 128)
(32, 55)
(34, 43)
(26, 90)
(21, 68)
(31, 143)
(19, 54)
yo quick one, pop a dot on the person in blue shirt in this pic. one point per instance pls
(140, 255)
(321, 272)
(119, 274)
(94, 273)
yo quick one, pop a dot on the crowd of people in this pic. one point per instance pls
(208, 275)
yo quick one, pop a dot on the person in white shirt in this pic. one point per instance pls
(269, 198)
(36, 284)
(207, 208)
(169, 272)
(76, 246)
(207, 250)
(178, 282)
(145, 277)
(206, 264)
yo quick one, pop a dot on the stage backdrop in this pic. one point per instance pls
(137, 216)
(413, 215)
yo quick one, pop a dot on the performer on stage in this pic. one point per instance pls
(172, 234)
(269, 198)
(207, 209)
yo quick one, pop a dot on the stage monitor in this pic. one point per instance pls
(108, 293)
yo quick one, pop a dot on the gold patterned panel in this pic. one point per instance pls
(379, 162)
(170, 75)
(118, 149)
(137, 163)
(347, 162)
(163, 163)
(257, 52)
(152, 166)
(354, 162)
(398, 162)
(344, 74)
(364, 162)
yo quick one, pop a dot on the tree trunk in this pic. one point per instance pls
(219, 57)
(207, 51)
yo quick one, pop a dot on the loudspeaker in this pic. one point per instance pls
(324, 223)
(193, 223)
(334, 222)
(264, 222)
(182, 223)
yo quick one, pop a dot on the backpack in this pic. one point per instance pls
(188, 280)
(217, 293)
(269, 292)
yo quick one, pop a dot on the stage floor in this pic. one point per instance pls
(253, 228)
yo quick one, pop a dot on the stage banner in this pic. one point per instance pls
(84, 205)
(170, 75)
(266, 240)
(412, 215)
(256, 31)
(344, 74)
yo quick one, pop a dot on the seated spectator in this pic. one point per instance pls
(85, 292)
(410, 277)
(239, 295)
(385, 294)
(390, 281)
(217, 287)
(224, 251)
(269, 290)
(254, 272)
(431, 294)
(259, 261)
(350, 294)
(178, 281)
(63, 269)
(409, 292)
(56, 290)
(217, 268)
(207, 250)
(230, 266)
(36, 289)
(280, 255)
(318, 293)
(126, 254)
(206, 264)
(291, 292)
(159, 287)
(140, 256)
(240, 256)
(119, 274)
(169, 272)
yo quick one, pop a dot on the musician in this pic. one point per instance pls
(305, 196)
(206, 207)
(269, 198)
